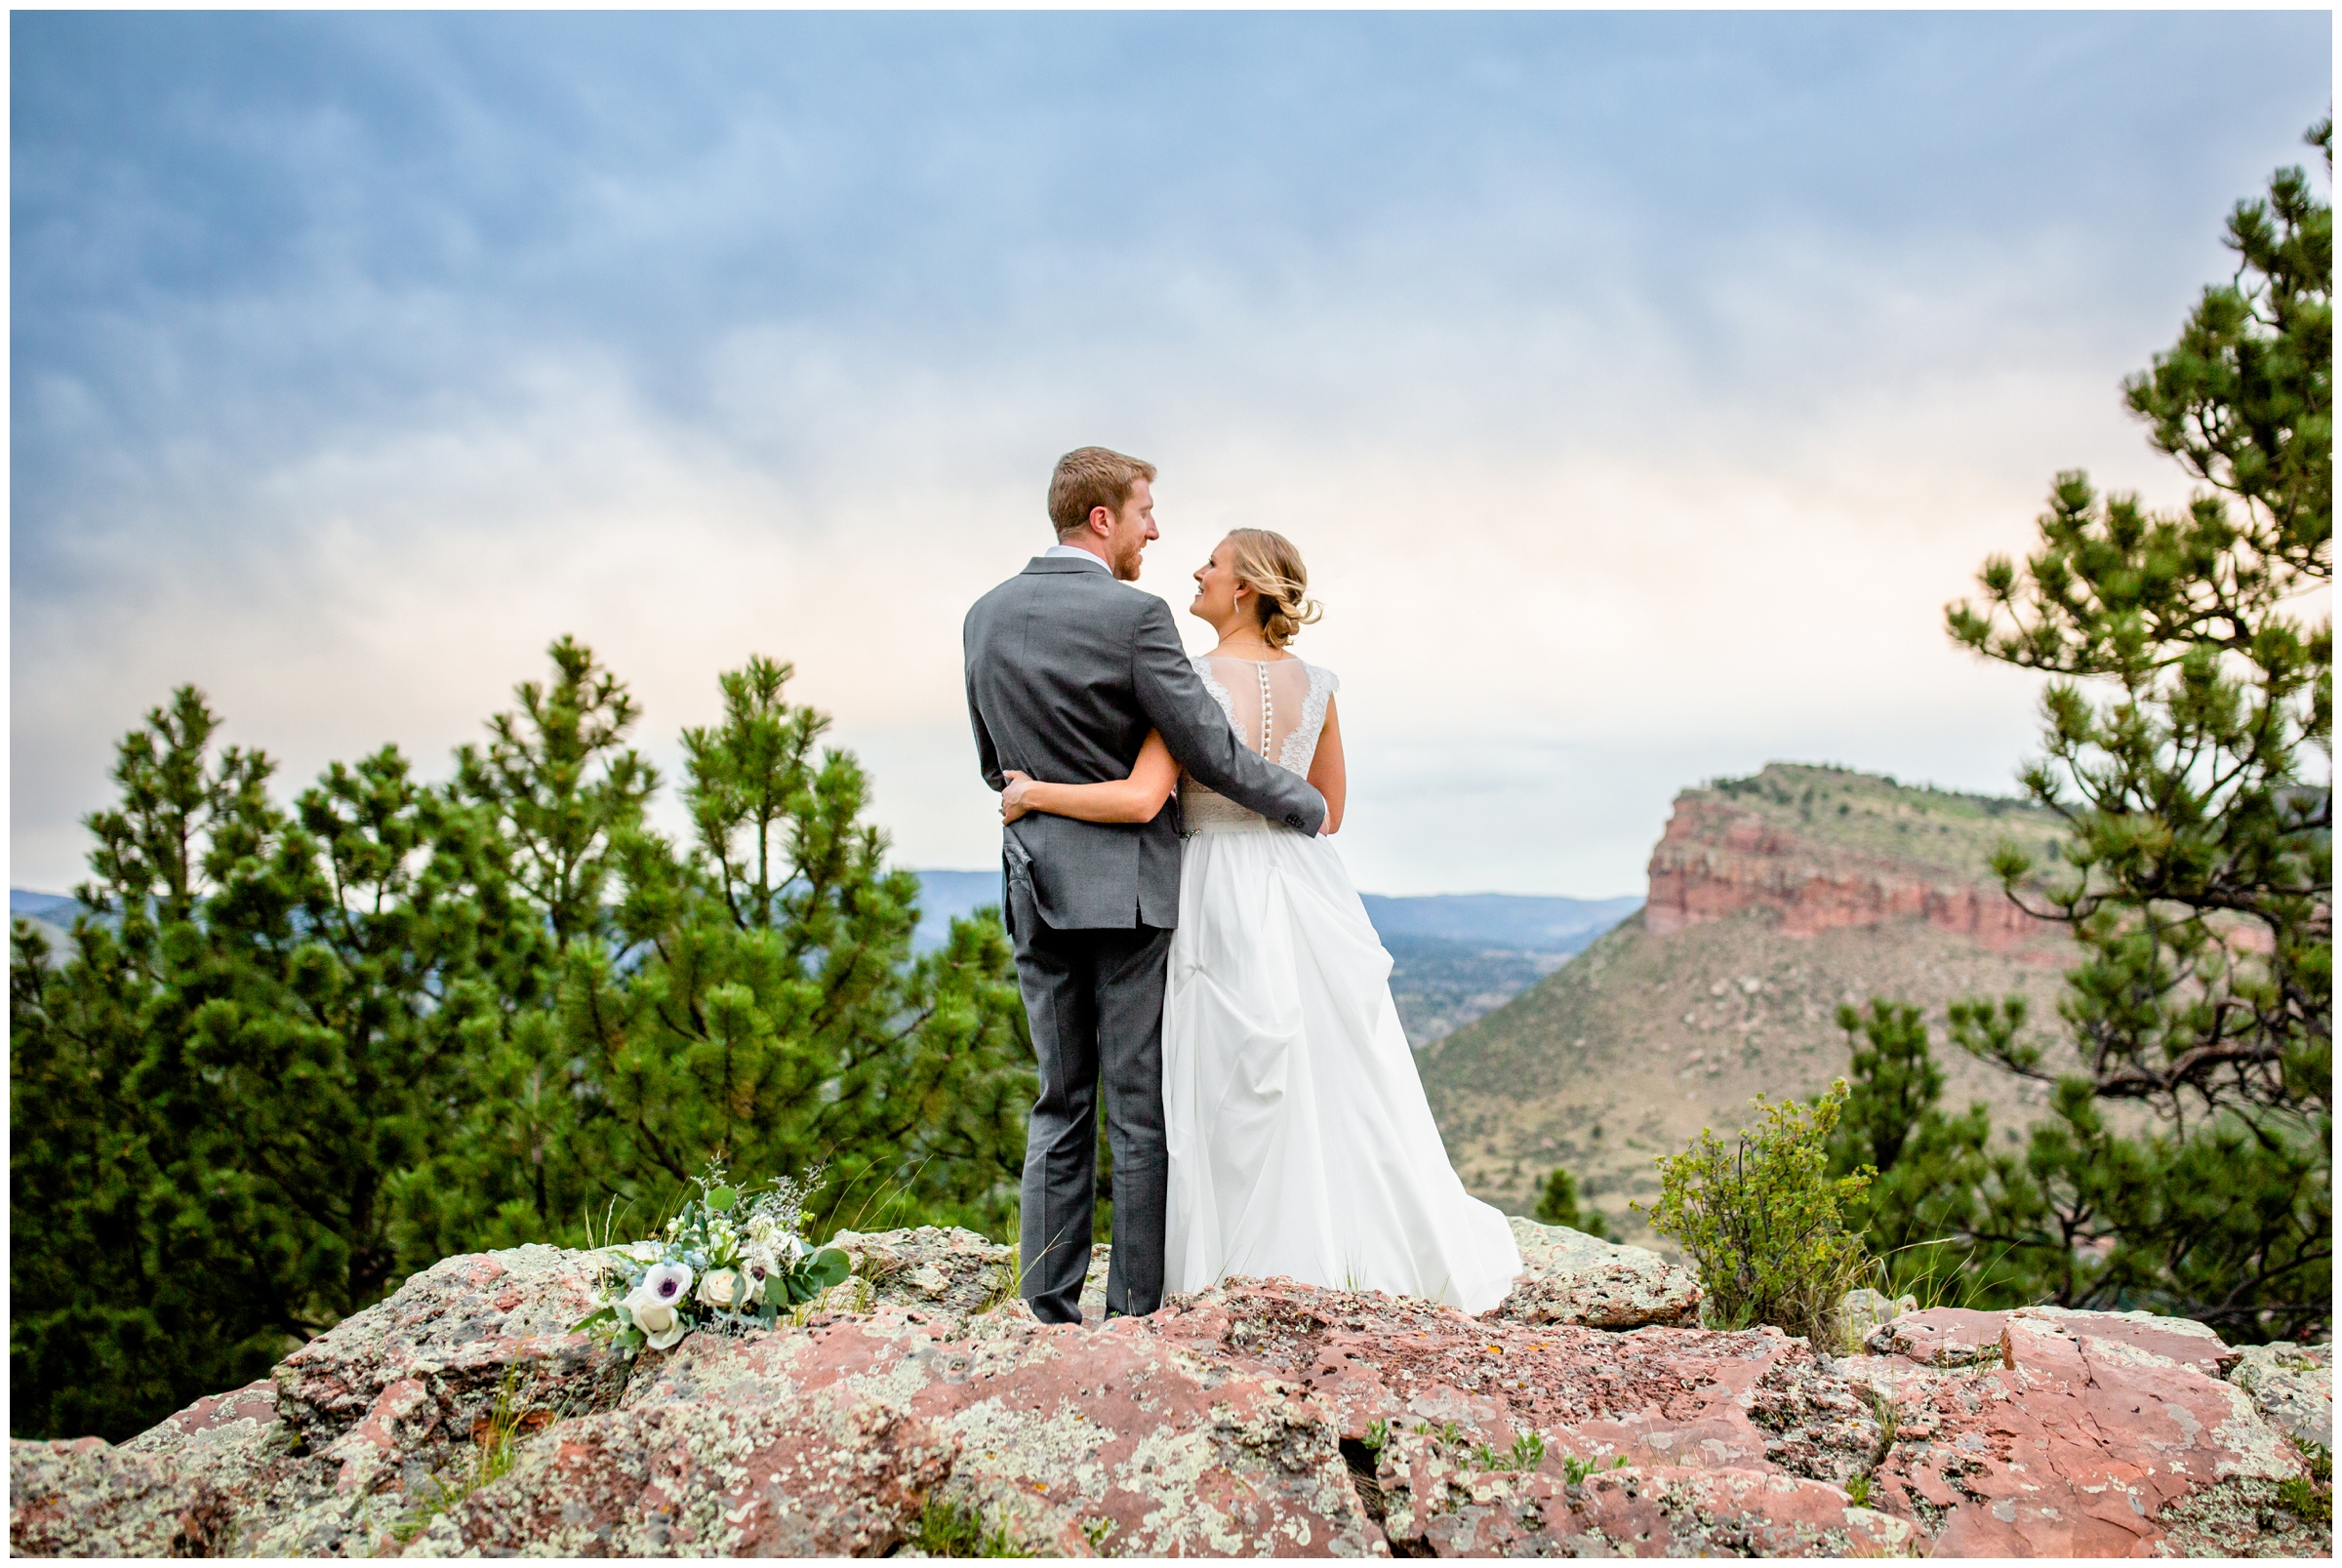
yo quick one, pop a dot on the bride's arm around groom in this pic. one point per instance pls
(1068, 670)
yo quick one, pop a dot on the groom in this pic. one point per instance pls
(1068, 670)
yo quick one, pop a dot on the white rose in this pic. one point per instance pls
(720, 1288)
(652, 1318)
(664, 1339)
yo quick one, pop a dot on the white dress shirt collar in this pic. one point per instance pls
(1077, 553)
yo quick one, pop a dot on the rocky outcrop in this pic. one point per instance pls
(2047, 1433)
(1584, 1416)
(2293, 1386)
(1718, 859)
(1573, 1277)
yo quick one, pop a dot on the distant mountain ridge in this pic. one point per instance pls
(50, 915)
(50, 908)
(1512, 921)
(946, 895)
(1454, 956)
(1436, 929)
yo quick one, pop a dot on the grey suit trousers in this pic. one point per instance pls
(1094, 1000)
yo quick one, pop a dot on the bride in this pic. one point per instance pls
(1301, 1144)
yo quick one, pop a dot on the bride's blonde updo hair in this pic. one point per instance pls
(1268, 564)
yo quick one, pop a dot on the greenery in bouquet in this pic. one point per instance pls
(726, 1263)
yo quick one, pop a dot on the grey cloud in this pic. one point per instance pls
(262, 259)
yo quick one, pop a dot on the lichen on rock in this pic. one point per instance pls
(2292, 1385)
(1571, 1278)
(1584, 1416)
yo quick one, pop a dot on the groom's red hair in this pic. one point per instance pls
(1088, 477)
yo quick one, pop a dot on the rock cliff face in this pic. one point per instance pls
(1773, 900)
(1257, 1418)
(1763, 847)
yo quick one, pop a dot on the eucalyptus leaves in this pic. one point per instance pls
(724, 1262)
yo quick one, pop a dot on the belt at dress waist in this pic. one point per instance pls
(1207, 811)
(1258, 825)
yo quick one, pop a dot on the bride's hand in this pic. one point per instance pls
(1012, 798)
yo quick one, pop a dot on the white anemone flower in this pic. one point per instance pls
(758, 1265)
(664, 1285)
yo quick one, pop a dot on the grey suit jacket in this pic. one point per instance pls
(1068, 670)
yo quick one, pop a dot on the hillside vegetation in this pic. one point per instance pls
(1838, 812)
(1629, 1048)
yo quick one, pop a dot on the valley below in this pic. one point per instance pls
(1773, 900)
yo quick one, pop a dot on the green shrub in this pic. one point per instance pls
(1764, 1220)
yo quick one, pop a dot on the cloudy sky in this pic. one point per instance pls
(1640, 386)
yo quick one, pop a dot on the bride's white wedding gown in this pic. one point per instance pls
(1301, 1142)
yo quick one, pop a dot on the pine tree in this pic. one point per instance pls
(1557, 1204)
(295, 1054)
(764, 1006)
(558, 785)
(565, 787)
(1937, 1184)
(2198, 878)
(749, 994)
(214, 1096)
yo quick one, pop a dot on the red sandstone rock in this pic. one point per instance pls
(822, 1477)
(2176, 1340)
(1942, 1337)
(1716, 860)
(1260, 1417)
(1658, 1396)
(2075, 1447)
(828, 1440)
(1664, 1512)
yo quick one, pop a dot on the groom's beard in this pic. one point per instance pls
(1127, 564)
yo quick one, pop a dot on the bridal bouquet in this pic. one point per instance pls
(725, 1263)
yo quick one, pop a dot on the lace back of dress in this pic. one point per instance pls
(1277, 709)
